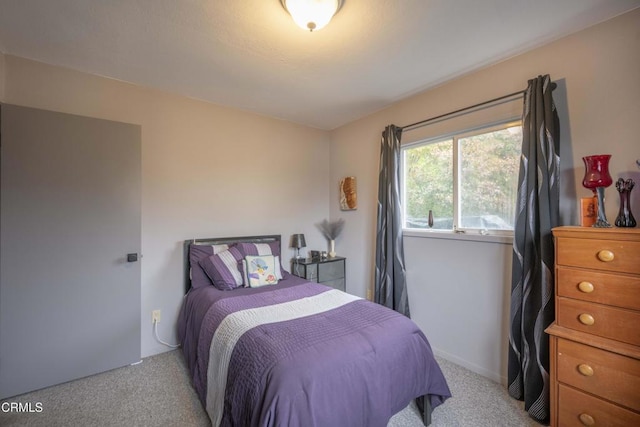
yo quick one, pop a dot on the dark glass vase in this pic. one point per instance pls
(625, 217)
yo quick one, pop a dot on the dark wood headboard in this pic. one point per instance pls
(220, 241)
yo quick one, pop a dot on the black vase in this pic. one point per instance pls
(625, 217)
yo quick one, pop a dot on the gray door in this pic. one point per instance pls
(70, 214)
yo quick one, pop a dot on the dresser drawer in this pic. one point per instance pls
(600, 254)
(309, 272)
(616, 323)
(609, 375)
(605, 288)
(331, 270)
(581, 409)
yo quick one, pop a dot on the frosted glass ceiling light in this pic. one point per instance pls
(312, 14)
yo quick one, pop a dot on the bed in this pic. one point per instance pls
(295, 353)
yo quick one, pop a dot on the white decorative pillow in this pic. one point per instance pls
(271, 248)
(261, 270)
(244, 271)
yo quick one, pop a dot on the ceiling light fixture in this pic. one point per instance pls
(312, 14)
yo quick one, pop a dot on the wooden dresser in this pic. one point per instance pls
(595, 340)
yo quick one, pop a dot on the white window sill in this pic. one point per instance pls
(450, 235)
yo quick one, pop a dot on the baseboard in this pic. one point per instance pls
(493, 376)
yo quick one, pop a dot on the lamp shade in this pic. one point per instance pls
(311, 14)
(297, 241)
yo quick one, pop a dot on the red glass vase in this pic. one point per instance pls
(596, 171)
(596, 178)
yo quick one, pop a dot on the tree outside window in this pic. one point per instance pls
(468, 180)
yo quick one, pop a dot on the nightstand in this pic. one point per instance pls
(327, 271)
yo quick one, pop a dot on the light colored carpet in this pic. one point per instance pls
(477, 402)
(158, 392)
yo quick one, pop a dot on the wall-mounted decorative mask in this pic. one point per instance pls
(348, 194)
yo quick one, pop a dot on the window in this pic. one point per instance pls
(467, 180)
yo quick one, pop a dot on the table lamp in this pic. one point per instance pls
(297, 241)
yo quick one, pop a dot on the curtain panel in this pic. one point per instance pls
(532, 286)
(390, 275)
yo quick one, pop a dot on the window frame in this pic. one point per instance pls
(484, 234)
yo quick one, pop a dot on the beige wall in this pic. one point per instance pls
(207, 171)
(2, 72)
(598, 97)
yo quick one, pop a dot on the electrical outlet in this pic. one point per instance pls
(369, 296)
(155, 316)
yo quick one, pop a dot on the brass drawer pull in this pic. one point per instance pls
(585, 370)
(587, 419)
(586, 287)
(605, 255)
(586, 319)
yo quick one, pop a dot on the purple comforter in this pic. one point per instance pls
(353, 365)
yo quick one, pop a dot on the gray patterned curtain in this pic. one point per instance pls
(390, 280)
(532, 285)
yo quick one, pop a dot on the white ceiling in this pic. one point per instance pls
(249, 54)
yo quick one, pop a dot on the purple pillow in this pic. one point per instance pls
(271, 248)
(222, 269)
(198, 276)
(197, 252)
